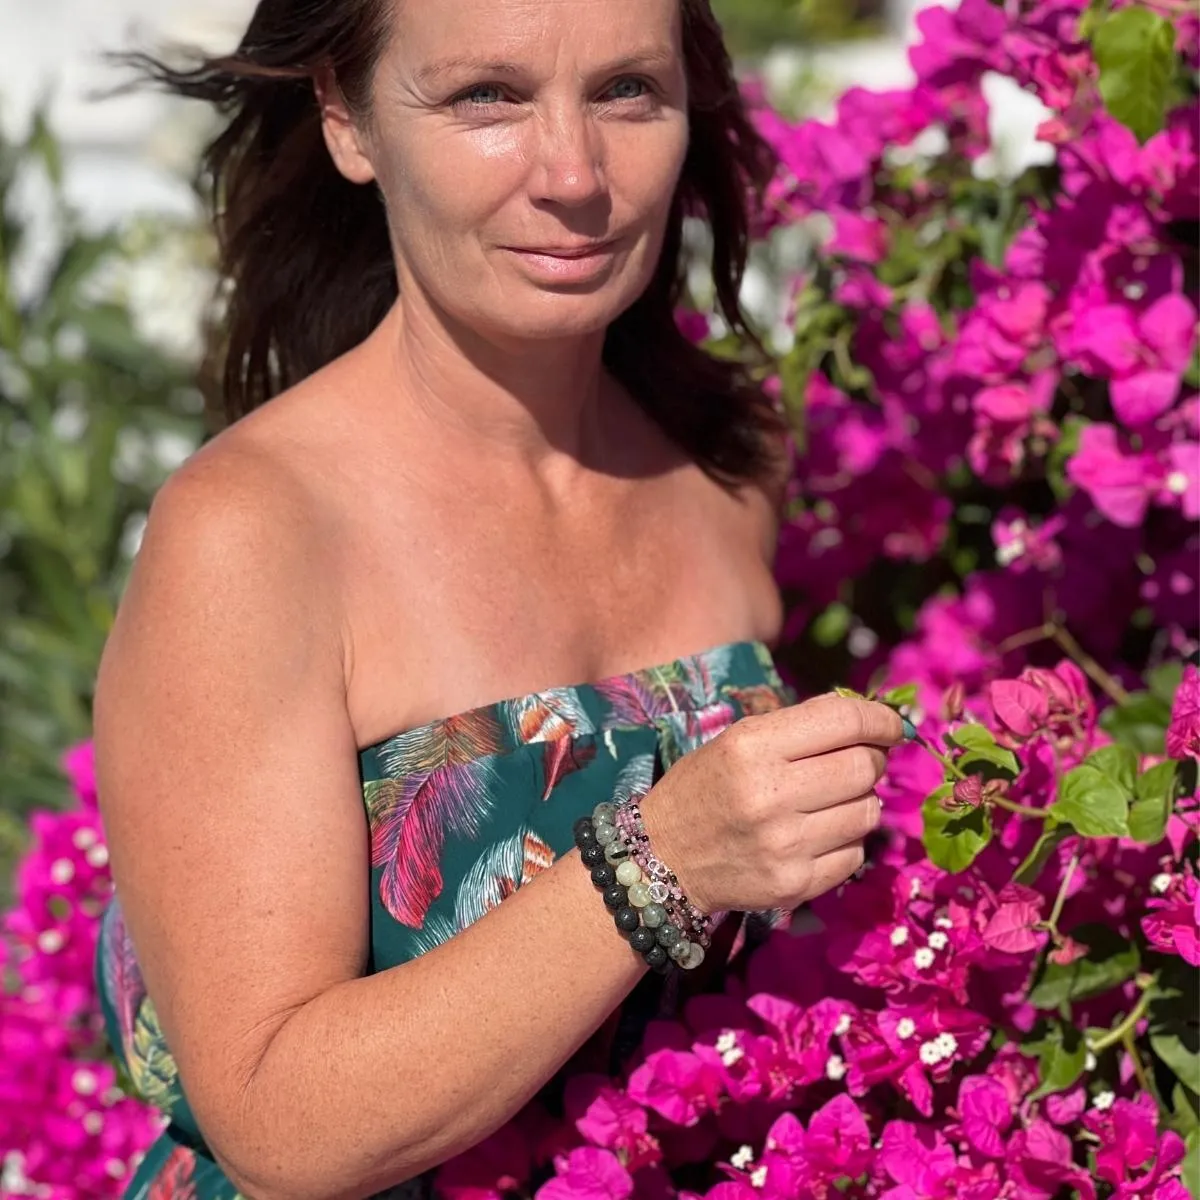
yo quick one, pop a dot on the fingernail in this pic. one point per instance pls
(908, 728)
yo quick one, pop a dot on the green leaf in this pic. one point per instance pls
(1110, 960)
(1180, 1050)
(1191, 1165)
(900, 697)
(1185, 1109)
(1135, 51)
(1061, 1061)
(1095, 796)
(832, 625)
(1119, 763)
(1052, 835)
(1164, 680)
(1153, 798)
(981, 745)
(1139, 723)
(1061, 453)
(953, 839)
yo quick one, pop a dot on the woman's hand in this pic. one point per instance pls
(774, 810)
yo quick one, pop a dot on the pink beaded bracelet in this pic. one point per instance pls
(665, 888)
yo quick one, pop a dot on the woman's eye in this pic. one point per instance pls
(629, 88)
(479, 96)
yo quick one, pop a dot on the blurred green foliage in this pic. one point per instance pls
(84, 400)
(755, 26)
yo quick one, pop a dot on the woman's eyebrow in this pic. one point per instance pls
(654, 56)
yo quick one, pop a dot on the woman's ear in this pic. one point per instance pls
(342, 135)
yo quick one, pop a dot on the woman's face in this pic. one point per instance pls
(528, 151)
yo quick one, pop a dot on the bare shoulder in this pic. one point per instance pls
(238, 542)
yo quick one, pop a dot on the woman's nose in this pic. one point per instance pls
(570, 161)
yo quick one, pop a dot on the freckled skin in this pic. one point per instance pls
(564, 141)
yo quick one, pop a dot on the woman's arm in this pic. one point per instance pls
(228, 783)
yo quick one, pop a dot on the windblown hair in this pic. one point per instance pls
(305, 260)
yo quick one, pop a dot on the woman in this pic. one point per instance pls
(474, 459)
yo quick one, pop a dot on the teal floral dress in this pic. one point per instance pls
(462, 812)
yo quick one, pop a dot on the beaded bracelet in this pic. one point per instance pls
(661, 940)
(664, 887)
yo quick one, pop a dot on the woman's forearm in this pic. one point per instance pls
(382, 1077)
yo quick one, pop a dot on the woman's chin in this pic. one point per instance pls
(559, 314)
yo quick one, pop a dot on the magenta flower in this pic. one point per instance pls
(587, 1174)
(1143, 355)
(1174, 926)
(1120, 483)
(1183, 733)
(1132, 1154)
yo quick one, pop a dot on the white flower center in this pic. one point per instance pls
(1160, 883)
(1177, 482)
(899, 935)
(938, 940)
(50, 941)
(742, 1157)
(1103, 1101)
(906, 1027)
(758, 1177)
(923, 959)
(62, 870)
(843, 1025)
(726, 1042)
(835, 1068)
(84, 1082)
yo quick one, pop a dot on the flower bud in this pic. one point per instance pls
(953, 701)
(968, 793)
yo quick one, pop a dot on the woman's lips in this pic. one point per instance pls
(574, 264)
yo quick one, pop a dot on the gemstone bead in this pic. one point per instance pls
(627, 918)
(679, 950)
(653, 915)
(659, 892)
(615, 896)
(583, 833)
(656, 957)
(629, 872)
(604, 833)
(695, 957)
(642, 939)
(592, 855)
(616, 851)
(639, 894)
(667, 935)
(604, 812)
(603, 875)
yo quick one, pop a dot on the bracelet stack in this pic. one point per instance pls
(645, 898)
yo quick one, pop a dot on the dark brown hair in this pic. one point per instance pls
(306, 263)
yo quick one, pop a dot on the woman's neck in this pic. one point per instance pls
(535, 404)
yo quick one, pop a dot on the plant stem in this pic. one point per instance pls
(1022, 810)
(1025, 638)
(944, 759)
(1061, 898)
(1139, 1068)
(1125, 1029)
(1098, 674)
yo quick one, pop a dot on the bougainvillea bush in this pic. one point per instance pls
(992, 525)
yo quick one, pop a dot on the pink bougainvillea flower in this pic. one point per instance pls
(1132, 1154)
(1183, 733)
(1174, 924)
(1121, 483)
(1143, 355)
(587, 1174)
